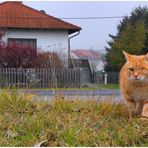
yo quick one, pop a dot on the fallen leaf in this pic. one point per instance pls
(11, 134)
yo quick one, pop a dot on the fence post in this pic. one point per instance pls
(105, 78)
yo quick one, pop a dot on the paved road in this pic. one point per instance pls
(77, 92)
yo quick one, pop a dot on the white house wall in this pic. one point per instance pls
(46, 40)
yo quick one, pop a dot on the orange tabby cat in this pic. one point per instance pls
(134, 83)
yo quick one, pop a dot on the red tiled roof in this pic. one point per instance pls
(18, 15)
(86, 54)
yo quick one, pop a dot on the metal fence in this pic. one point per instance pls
(39, 78)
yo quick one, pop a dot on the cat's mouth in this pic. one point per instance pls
(136, 79)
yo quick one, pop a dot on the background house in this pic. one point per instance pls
(89, 60)
(27, 26)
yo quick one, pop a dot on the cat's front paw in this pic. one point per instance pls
(145, 110)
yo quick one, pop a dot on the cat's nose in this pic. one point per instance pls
(136, 74)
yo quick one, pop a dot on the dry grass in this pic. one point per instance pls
(24, 122)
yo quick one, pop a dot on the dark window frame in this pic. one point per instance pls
(20, 41)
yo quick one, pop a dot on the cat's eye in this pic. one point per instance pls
(131, 69)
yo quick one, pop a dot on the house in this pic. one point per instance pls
(26, 26)
(89, 61)
(87, 58)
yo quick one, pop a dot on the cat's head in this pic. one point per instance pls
(136, 67)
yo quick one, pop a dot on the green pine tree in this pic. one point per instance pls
(131, 37)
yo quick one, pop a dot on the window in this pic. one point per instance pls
(23, 42)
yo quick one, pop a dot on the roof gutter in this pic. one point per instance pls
(69, 46)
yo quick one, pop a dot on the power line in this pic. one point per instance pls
(97, 17)
(80, 18)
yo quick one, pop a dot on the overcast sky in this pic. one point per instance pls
(94, 33)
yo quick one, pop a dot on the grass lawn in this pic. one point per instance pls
(99, 86)
(109, 86)
(24, 122)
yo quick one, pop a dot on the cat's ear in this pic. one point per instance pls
(127, 55)
(146, 56)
